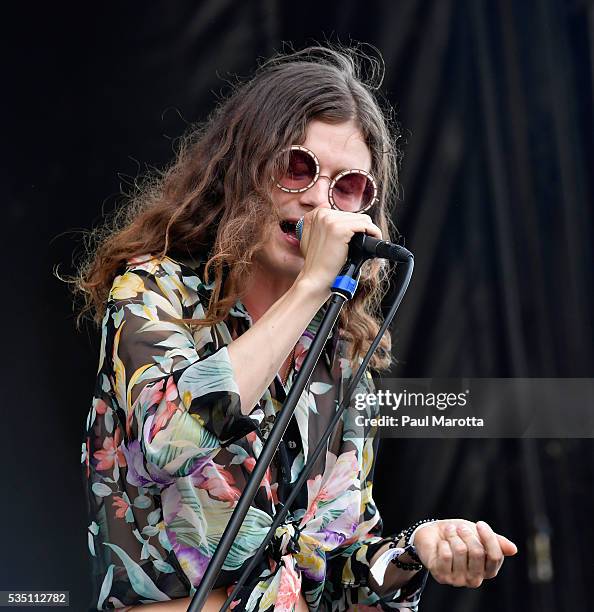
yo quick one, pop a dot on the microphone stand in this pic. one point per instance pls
(343, 289)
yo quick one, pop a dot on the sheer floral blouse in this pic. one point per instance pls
(167, 452)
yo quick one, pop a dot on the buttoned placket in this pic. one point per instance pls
(283, 457)
(291, 438)
(286, 457)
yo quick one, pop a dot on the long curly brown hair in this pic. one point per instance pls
(214, 199)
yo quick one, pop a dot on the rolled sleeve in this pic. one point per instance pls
(208, 389)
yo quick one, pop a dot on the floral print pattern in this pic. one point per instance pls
(167, 452)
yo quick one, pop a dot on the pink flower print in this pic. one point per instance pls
(249, 463)
(110, 453)
(337, 479)
(140, 259)
(171, 390)
(218, 482)
(146, 262)
(288, 589)
(341, 477)
(235, 602)
(163, 417)
(121, 505)
(301, 350)
(271, 490)
(101, 407)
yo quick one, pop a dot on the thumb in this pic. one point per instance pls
(508, 548)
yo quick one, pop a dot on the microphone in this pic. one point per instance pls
(370, 246)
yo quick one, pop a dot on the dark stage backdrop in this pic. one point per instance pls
(495, 102)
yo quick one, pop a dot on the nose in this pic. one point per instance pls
(317, 194)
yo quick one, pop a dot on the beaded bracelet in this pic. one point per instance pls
(408, 532)
(409, 548)
(408, 566)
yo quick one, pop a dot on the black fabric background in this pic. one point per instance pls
(495, 100)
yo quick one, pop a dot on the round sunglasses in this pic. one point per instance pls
(350, 190)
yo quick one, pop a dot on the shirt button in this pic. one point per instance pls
(291, 444)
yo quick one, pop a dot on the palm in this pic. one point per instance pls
(460, 552)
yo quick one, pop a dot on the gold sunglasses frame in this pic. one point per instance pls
(333, 181)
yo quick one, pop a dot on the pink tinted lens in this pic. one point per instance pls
(353, 191)
(300, 172)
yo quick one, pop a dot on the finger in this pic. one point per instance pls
(372, 229)
(350, 222)
(476, 556)
(460, 556)
(508, 548)
(494, 555)
(360, 222)
(442, 570)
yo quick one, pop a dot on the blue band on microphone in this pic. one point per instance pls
(299, 229)
(345, 285)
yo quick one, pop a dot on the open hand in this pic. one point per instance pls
(462, 553)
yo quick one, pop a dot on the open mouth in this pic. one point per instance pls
(289, 228)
